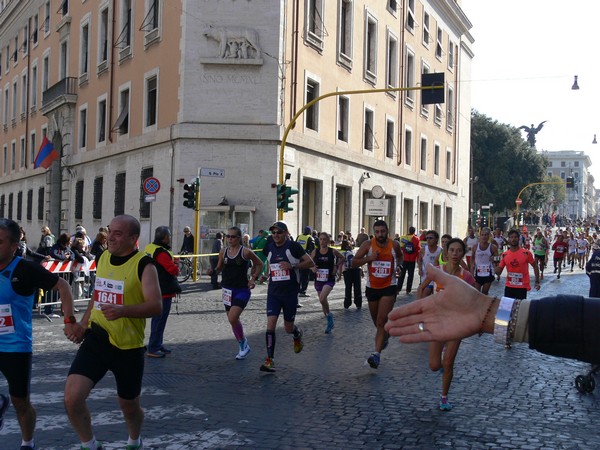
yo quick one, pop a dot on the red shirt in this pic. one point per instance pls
(517, 265)
(560, 249)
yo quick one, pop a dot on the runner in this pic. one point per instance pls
(429, 254)
(540, 251)
(410, 252)
(470, 241)
(234, 260)
(482, 261)
(443, 354)
(560, 248)
(572, 244)
(383, 256)
(443, 258)
(517, 261)
(500, 242)
(285, 258)
(329, 264)
(582, 248)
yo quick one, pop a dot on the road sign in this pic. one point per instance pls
(376, 207)
(149, 198)
(518, 201)
(151, 185)
(218, 173)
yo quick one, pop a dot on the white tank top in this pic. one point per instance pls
(483, 261)
(430, 258)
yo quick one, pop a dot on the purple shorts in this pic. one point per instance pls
(320, 284)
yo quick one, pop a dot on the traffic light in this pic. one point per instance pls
(191, 191)
(280, 196)
(570, 182)
(288, 198)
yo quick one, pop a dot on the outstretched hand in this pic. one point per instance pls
(454, 313)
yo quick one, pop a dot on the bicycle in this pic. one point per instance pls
(185, 269)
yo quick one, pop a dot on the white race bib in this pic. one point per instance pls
(515, 278)
(227, 297)
(322, 275)
(279, 274)
(7, 325)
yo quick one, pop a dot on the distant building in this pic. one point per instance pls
(130, 90)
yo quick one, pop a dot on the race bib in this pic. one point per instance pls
(322, 275)
(515, 278)
(227, 297)
(484, 271)
(381, 269)
(108, 292)
(279, 274)
(6, 320)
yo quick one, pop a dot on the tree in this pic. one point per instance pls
(504, 163)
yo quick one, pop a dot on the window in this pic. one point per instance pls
(392, 62)
(450, 110)
(2, 205)
(144, 205)
(151, 22)
(32, 148)
(437, 116)
(409, 76)
(97, 201)
(41, 203)
(15, 56)
(5, 159)
(124, 39)
(151, 100)
(29, 204)
(45, 72)
(64, 8)
(7, 60)
(120, 193)
(424, 108)
(10, 205)
(389, 138)
(315, 27)
(408, 146)
(438, 44)
(312, 113)
(346, 29)
(79, 200)
(22, 155)
(14, 102)
(19, 205)
(343, 118)
(450, 55)
(46, 18)
(122, 123)
(13, 155)
(448, 164)
(6, 103)
(423, 152)
(63, 64)
(370, 50)
(82, 127)
(575, 163)
(25, 48)
(103, 39)
(563, 164)
(549, 163)
(36, 25)
(369, 136)
(34, 90)
(392, 6)
(436, 159)
(410, 16)
(102, 120)
(85, 50)
(23, 95)
(426, 34)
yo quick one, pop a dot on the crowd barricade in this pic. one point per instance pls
(79, 277)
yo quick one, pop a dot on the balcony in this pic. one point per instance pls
(62, 93)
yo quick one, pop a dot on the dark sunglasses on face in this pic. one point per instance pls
(232, 236)
(277, 232)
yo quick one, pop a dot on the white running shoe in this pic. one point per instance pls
(244, 350)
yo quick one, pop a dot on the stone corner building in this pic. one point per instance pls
(132, 89)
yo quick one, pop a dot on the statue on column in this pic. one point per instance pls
(531, 132)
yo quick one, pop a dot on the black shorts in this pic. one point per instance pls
(483, 280)
(97, 355)
(519, 293)
(373, 295)
(16, 368)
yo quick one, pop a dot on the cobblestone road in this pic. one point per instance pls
(325, 397)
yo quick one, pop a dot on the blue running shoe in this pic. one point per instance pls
(373, 360)
(445, 405)
(330, 323)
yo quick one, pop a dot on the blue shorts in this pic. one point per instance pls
(288, 303)
(320, 284)
(239, 297)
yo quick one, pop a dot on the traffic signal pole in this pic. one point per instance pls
(196, 230)
(334, 94)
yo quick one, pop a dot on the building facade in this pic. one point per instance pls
(137, 90)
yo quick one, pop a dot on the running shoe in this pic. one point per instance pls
(373, 360)
(298, 344)
(139, 446)
(330, 323)
(558, 276)
(27, 447)
(244, 349)
(445, 405)
(98, 447)
(268, 365)
(3, 408)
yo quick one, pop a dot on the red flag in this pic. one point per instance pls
(46, 154)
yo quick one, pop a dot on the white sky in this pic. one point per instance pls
(527, 53)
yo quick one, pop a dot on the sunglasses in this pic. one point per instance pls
(232, 236)
(277, 232)
(430, 237)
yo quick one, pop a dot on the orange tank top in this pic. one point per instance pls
(382, 272)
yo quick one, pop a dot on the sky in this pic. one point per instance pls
(527, 53)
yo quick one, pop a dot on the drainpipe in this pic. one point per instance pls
(295, 39)
(401, 81)
(112, 75)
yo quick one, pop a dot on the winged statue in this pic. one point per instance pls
(532, 131)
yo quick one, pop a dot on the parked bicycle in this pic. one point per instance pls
(185, 269)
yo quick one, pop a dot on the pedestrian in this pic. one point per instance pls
(383, 257)
(112, 331)
(188, 244)
(24, 251)
(429, 254)
(47, 240)
(560, 248)
(329, 264)
(409, 243)
(517, 261)
(214, 259)
(443, 354)
(483, 261)
(19, 283)
(592, 269)
(352, 278)
(60, 251)
(361, 237)
(80, 269)
(234, 260)
(308, 244)
(285, 258)
(160, 251)
(458, 312)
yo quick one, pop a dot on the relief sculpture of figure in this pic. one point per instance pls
(234, 42)
(531, 132)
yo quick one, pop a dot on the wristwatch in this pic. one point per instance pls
(70, 319)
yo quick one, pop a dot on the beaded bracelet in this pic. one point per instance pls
(487, 313)
(502, 320)
(512, 325)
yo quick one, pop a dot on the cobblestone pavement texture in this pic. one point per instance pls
(325, 397)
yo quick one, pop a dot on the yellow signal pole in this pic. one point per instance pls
(529, 185)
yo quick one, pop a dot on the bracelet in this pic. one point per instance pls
(512, 325)
(487, 313)
(502, 320)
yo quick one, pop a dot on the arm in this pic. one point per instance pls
(340, 264)
(257, 266)
(361, 256)
(399, 254)
(164, 259)
(423, 285)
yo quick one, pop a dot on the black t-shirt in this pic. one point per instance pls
(29, 276)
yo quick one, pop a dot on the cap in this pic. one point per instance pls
(281, 225)
(307, 230)
(80, 228)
